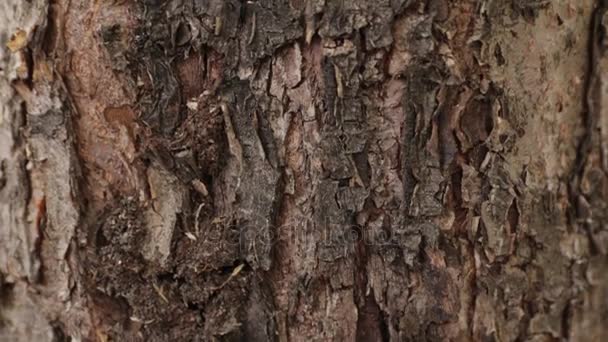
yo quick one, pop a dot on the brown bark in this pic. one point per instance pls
(278, 170)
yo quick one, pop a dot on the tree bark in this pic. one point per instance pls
(303, 170)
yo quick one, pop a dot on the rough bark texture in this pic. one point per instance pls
(303, 170)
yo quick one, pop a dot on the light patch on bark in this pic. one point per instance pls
(167, 199)
(15, 256)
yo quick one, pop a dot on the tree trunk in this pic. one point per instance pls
(303, 170)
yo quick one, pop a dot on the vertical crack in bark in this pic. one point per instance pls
(371, 325)
(589, 172)
(591, 111)
(590, 105)
(408, 158)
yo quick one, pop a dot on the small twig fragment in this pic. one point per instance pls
(253, 27)
(339, 85)
(160, 293)
(234, 273)
(190, 236)
(218, 26)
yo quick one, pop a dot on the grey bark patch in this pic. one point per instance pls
(168, 197)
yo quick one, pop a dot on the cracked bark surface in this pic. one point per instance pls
(295, 170)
